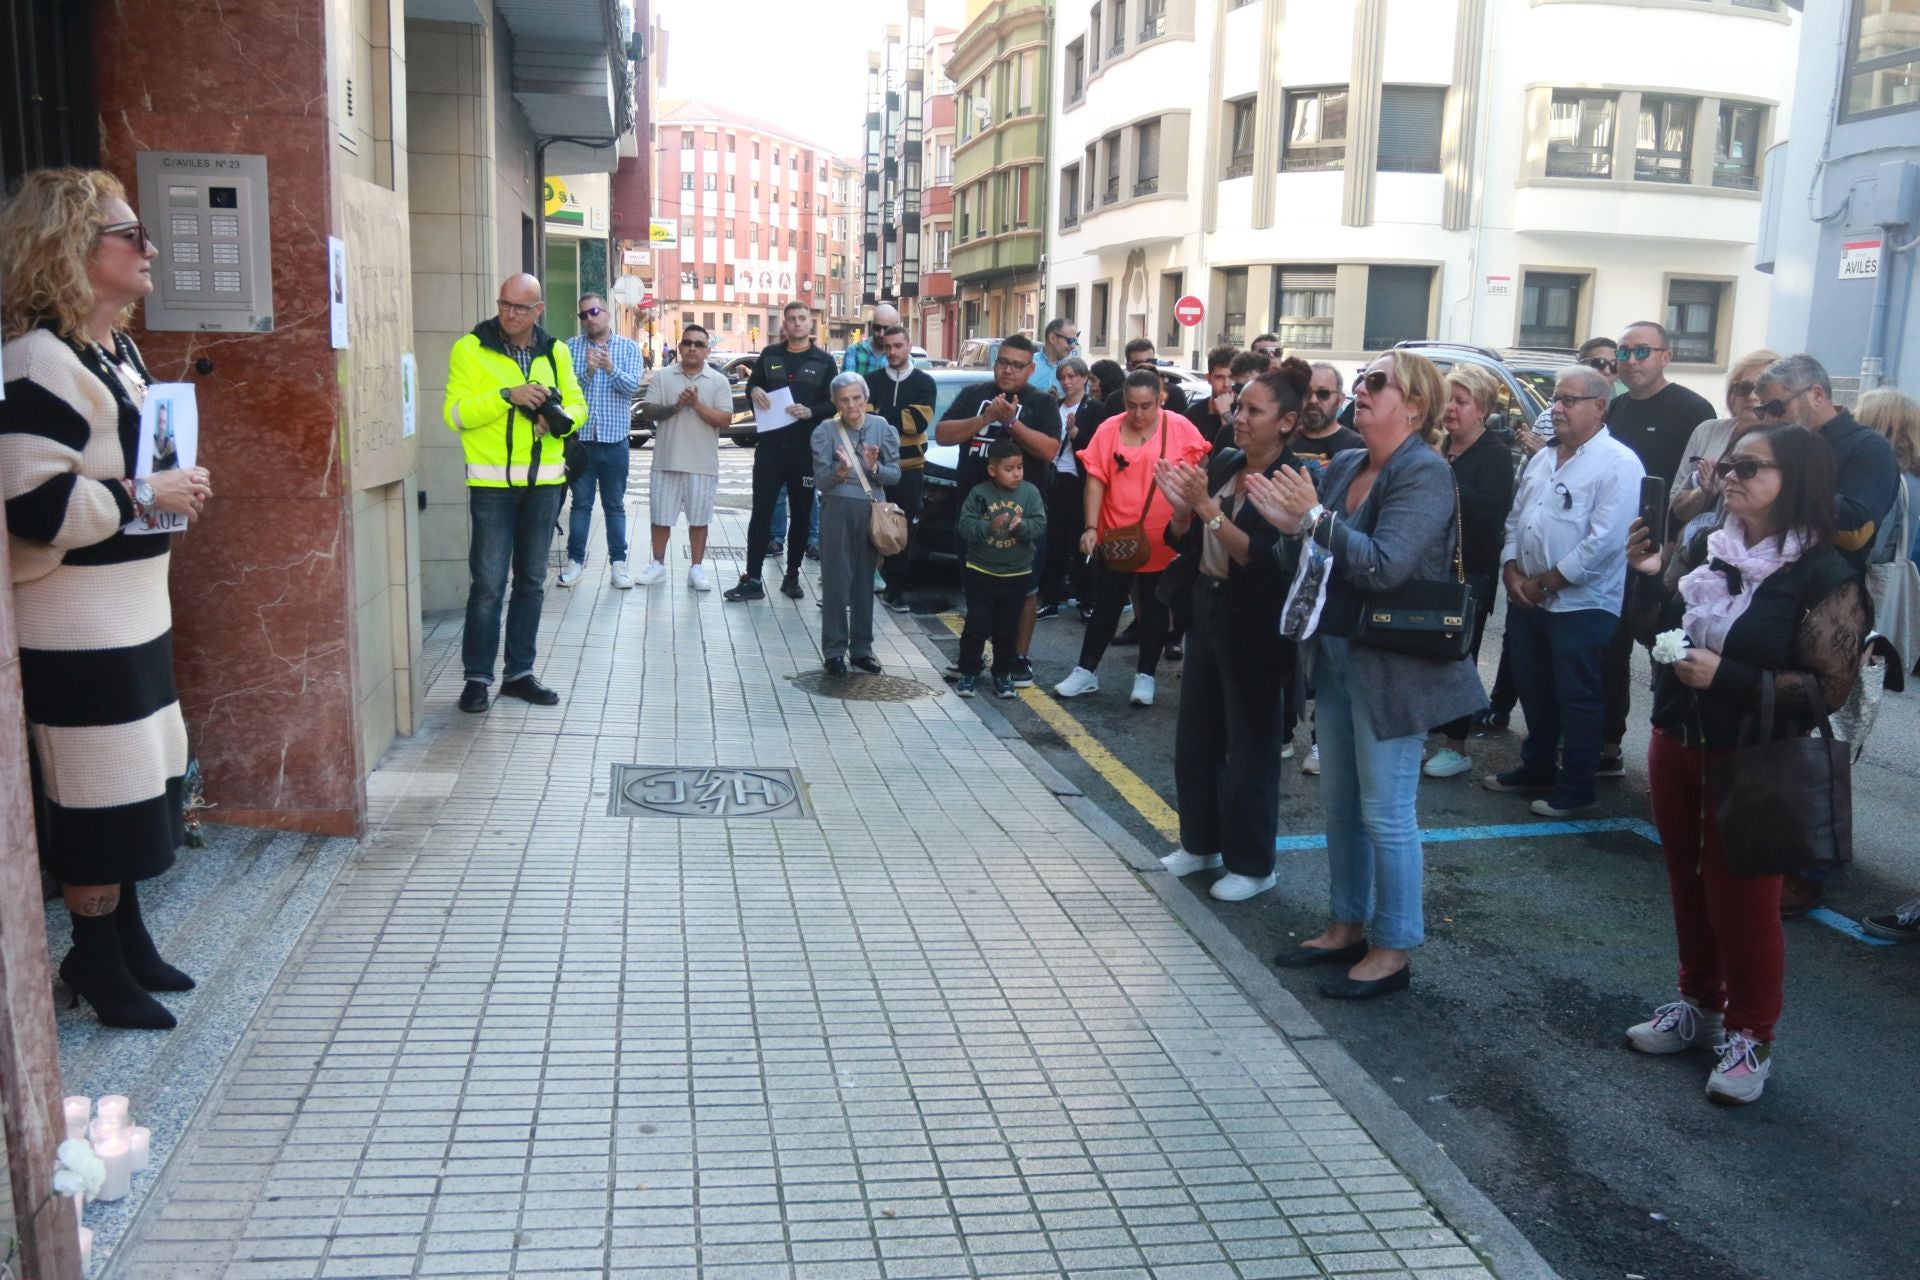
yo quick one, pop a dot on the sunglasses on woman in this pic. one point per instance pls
(1745, 468)
(1373, 381)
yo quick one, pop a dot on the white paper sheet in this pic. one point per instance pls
(775, 416)
(169, 440)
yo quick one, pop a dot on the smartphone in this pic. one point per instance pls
(1653, 506)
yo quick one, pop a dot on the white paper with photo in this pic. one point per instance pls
(409, 399)
(337, 291)
(169, 440)
(775, 416)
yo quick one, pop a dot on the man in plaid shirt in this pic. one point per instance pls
(865, 356)
(610, 371)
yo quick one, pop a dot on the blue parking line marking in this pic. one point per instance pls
(1839, 923)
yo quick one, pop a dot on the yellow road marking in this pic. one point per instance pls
(1130, 785)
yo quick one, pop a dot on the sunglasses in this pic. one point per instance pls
(1325, 395)
(1373, 381)
(1012, 365)
(134, 233)
(1739, 390)
(1142, 364)
(1776, 407)
(1601, 363)
(1745, 468)
(1639, 353)
(692, 342)
(591, 312)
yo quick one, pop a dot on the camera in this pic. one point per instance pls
(549, 411)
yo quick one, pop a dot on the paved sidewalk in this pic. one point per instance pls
(937, 1030)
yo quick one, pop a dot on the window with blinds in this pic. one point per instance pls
(1736, 146)
(1070, 196)
(1580, 135)
(1146, 154)
(1397, 305)
(1316, 129)
(1663, 146)
(1693, 320)
(1303, 307)
(1410, 120)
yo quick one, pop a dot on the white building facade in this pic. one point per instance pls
(1353, 173)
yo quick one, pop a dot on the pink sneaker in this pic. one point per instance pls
(1741, 1073)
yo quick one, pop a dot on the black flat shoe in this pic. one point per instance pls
(1306, 957)
(869, 664)
(1345, 988)
(835, 667)
(473, 697)
(790, 587)
(528, 689)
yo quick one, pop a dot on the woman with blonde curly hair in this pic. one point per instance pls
(95, 625)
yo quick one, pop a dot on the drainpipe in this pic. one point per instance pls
(1894, 199)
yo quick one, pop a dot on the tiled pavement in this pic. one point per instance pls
(937, 1030)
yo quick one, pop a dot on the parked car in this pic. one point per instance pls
(734, 368)
(1521, 377)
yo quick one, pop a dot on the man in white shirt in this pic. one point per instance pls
(689, 403)
(1565, 572)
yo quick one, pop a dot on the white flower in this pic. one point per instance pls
(78, 1170)
(1670, 646)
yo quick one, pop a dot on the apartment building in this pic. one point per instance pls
(895, 169)
(845, 255)
(1000, 66)
(935, 314)
(1502, 172)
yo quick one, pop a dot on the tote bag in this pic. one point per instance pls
(886, 523)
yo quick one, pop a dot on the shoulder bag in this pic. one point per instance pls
(1894, 583)
(1782, 805)
(886, 522)
(1127, 548)
(1423, 618)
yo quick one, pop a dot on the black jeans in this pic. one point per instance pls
(906, 496)
(1064, 574)
(1616, 676)
(1226, 748)
(784, 462)
(993, 613)
(1110, 592)
(1482, 586)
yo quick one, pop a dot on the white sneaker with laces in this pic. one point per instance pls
(698, 579)
(1079, 681)
(1182, 863)
(1312, 763)
(1741, 1073)
(1677, 1027)
(1234, 887)
(1142, 691)
(1447, 763)
(621, 578)
(654, 572)
(570, 574)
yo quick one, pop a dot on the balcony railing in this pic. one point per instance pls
(1239, 167)
(1147, 186)
(1318, 335)
(1153, 26)
(1112, 194)
(1070, 215)
(1736, 175)
(1579, 162)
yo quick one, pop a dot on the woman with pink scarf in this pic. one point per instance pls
(1763, 592)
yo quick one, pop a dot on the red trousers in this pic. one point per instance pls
(1733, 955)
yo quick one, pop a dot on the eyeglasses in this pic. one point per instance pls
(1012, 366)
(1372, 381)
(1325, 394)
(590, 312)
(1570, 401)
(519, 308)
(1639, 353)
(1745, 468)
(1602, 363)
(692, 342)
(134, 233)
(1776, 407)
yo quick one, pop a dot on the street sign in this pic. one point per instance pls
(646, 300)
(1859, 259)
(1189, 311)
(1499, 286)
(627, 291)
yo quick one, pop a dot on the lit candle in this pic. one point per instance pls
(104, 1127)
(86, 1247)
(113, 1106)
(78, 1110)
(117, 1155)
(140, 1140)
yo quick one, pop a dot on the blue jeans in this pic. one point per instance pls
(780, 521)
(512, 529)
(606, 470)
(1375, 863)
(1557, 660)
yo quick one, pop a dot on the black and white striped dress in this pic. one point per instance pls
(94, 618)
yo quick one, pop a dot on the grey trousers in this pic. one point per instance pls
(847, 560)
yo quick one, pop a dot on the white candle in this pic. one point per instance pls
(113, 1106)
(104, 1127)
(140, 1140)
(78, 1110)
(117, 1155)
(86, 1247)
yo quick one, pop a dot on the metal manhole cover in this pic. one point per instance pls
(862, 687)
(707, 791)
(720, 550)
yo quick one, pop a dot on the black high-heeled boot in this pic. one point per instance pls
(137, 945)
(96, 971)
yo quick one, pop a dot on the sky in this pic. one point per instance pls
(797, 64)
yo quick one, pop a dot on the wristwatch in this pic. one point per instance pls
(1219, 518)
(142, 497)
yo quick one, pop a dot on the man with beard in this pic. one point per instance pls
(1321, 435)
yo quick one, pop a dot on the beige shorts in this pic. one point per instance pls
(681, 493)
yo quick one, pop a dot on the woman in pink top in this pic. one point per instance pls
(1120, 491)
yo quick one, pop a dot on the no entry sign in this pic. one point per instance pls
(1189, 311)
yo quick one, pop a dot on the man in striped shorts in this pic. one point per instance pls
(689, 403)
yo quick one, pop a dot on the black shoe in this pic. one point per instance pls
(1306, 957)
(790, 587)
(1129, 634)
(1047, 611)
(1022, 673)
(746, 589)
(835, 667)
(1086, 613)
(1611, 767)
(897, 602)
(527, 689)
(137, 947)
(776, 547)
(96, 971)
(1345, 988)
(473, 697)
(1487, 720)
(1516, 780)
(813, 551)
(1173, 653)
(868, 663)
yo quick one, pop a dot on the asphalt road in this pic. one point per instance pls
(1540, 951)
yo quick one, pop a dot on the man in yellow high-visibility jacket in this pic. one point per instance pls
(512, 398)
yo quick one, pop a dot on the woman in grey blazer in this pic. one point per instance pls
(847, 555)
(1386, 514)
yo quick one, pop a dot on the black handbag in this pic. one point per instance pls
(1423, 618)
(1782, 805)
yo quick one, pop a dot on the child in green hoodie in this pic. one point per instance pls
(999, 522)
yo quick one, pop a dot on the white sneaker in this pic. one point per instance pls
(698, 579)
(654, 572)
(1182, 863)
(1233, 887)
(1078, 681)
(1312, 763)
(1286, 752)
(1142, 691)
(571, 573)
(1677, 1027)
(1447, 763)
(1741, 1073)
(621, 578)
